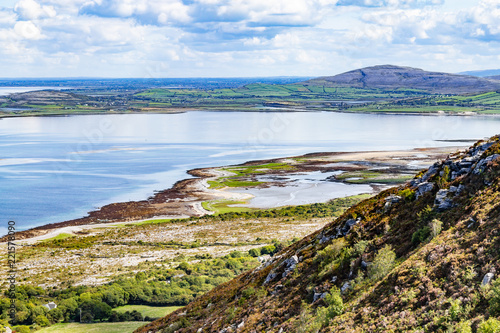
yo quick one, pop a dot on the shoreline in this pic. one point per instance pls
(278, 110)
(184, 199)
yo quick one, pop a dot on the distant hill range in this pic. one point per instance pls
(391, 77)
(488, 73)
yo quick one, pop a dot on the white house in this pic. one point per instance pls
(50, 305)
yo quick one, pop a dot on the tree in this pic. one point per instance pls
(42, 321)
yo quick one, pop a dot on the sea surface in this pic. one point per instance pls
(57, 168)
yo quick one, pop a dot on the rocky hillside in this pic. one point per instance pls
(390, 77)
(422, 257)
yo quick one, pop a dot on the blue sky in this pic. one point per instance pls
(231, 38)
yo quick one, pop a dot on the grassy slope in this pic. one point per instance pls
(150, 311)
(415, 296)
(125, 327)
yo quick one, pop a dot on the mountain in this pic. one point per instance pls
(484, 73)
(422, 257)
(390, 77)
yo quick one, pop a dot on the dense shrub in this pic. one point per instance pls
(254, 252)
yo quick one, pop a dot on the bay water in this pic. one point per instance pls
(54, 169)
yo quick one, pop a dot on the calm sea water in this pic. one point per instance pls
(58, 168)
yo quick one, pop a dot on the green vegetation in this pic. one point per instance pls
(491, 325)
(382, 264)
(131, 297)
(260, 96)
(125, 327)
(149, 311)
(332, 208)
(242, 176)
(365, 177)
(61, 236)
(226, 206)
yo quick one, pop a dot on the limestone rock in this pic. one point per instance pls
(487, 279)
(423, 188)
(442, 202)
(346, 286)
(318, 296)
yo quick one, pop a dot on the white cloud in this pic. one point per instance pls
(146, 11)
(157, 38)
(32, 10)
(27, 30)
(391, 3)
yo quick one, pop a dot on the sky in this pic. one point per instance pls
(243, 38)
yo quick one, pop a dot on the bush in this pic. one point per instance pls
(269, 249)
(382, 264)
(236, 254)
(494, 298)
(360, 247)
(254, 252)
(492, 325)
(22, 329)
(463, 327)
(42, 321)
(455, 309)
(436, 226)
(335, 303)
(420, 235)
(407, 194)
(331, 252)
(249, 292)
(426, 214)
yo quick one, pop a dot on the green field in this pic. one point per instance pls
(60, 236)
(258, 96)
(125, 327)
(150, 311)
(225, 206)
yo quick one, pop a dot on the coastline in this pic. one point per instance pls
(184, 199)
(249, 109)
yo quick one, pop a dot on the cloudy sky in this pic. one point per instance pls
(228, 38)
